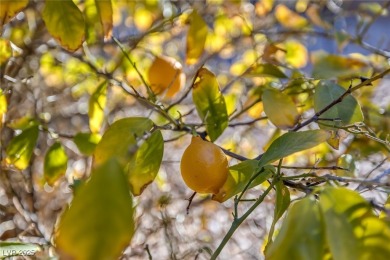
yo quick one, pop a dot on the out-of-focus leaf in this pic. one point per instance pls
(375, 238)
(104, 8)
(21, 147)
(268, 70)
(196, 37)
(238, 178)
(86, 142)
(119, 140)
(97, 103)
(346, 161)
(9, 8)
(55, 164)
(334, 140)
(346, 112)
(301, 236)
(384, 214)
(143, 18)
(288, 18)
(99, 223)
(5, 51)
(3, 107)
(333, 66)
(144, 165)
(210, 103)
(65, 23)
(8, 249)
(296, 54)
(263, 7)
(314, 14)
(22, 123)
(375, 8)
(280, 109)
(292, 142)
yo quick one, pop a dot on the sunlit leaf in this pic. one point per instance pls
(280, 109)
(143, 18)
(375, 238)
(332, 66)
(293, 142)
(344, 113)
(210, 103)
(301, 236)
(8, 249)
(5, 51)
(3, 107)
(263, 7)
(104, 8)
(97, 103)
(21, 147)
(55, 163)
(384, 214)
(99, 222)
(268, 70)
(9, 8)
(144, 165)
(65, 23)
(86, 142)
(288, 18)
(238, 178)
(296, 54)
(196, 37)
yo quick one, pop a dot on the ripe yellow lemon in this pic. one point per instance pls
(165, 75)
(204, 166)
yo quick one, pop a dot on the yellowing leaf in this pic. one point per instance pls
(143, 19)
(210, 103)
(3, 107)
(55, 163)
(263, 7)
(5, 51)
(196, 37)
(288, 18)
(65, 23)
(280, 109)
(9, 8)
(97, 103)
(165, 76)
(86, 142)
(104, 8)
(21, 147)
(99, 223)
(144, 165)
(296, 54)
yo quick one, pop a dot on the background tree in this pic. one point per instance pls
(99, 99)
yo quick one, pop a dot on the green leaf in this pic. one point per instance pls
(99, 223)
(55, 164)
(196, 37)
(145, 164)
(97, 103)
(238, 178)
(332, 66)
(104, 8)
(210, 103)
(8, 249)
(86, 142)
(292, 142)
(346, 112)
(65, 23)
(280, 109)
(268, 70)
(21, 147)
(9, 8)
(301, 236)
(346, 161)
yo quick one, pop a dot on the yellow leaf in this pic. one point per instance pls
(263, 7)
(104, 8)
(196, 37)
(280, 109)
(9, 8)
(65, 23)
(5, 51)
(3, 107)
(97, 104)
(55, 163)
(296, 54)
(143, 19)
(288, 18)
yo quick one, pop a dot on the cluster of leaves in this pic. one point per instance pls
(113, 71)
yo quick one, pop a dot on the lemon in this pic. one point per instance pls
(204, 166)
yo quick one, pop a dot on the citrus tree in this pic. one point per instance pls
(282, 108)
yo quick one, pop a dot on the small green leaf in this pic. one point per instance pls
(97, 103)
(65, 23)
(332, 66)
(210, 103)
(238, 178)
(55, 164)
(21, 147)
(86, 142)
(196, 37)
(301, 236)
(280, 109)
(346, 112)
(269, 70)
(99, 223)
(292, 142)
(8, 249)
(144, 165)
